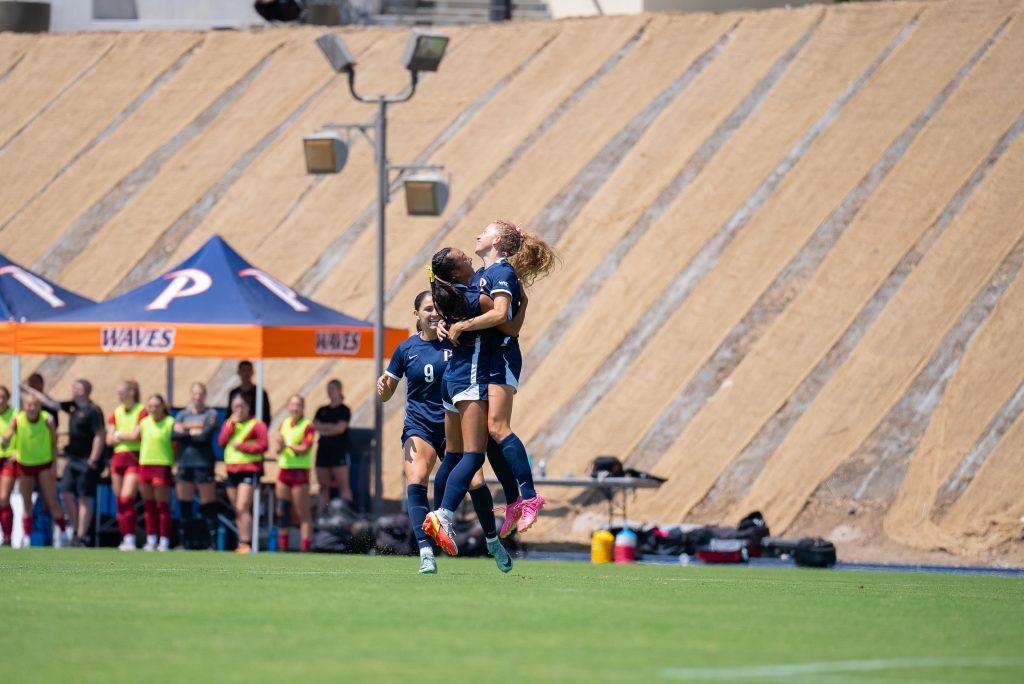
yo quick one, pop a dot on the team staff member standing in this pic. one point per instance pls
(156, 456)
(7, 468)
(123, 436)
(84, 452)
(33, 433)
(244, 440)
(332, 457)
(194, 429)
(294, 442)
(247, 389)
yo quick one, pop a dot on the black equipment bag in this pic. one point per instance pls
(332, 540)
(606, 465)
(777, 547)
(394, 536)
(815, 553)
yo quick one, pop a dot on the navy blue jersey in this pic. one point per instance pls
(466, 377)
(497, 278)
(503, 350)
(422, 363)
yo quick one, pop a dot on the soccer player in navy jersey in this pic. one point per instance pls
(512, 258)
(422, 360)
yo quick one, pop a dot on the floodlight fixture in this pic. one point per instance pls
(424, 51)
(336, 52)
(426, 193)
(326, 152)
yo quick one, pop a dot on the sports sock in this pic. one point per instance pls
(61, 523)
(26, 525)
(209, 511)
(418, 504)
(483, 504)
(7, 522)
(163, 509)
(458, 482)
(152, 516)
(499, 464)
(130, 520)
(515, 454)
(282, 541)
(306, 544)
(451, 459)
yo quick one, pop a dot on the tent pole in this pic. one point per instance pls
(16, 382)
(378, 322)
(170, 381)
(256, 489)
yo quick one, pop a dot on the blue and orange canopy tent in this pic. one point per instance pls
(27, 296)
(213, 304)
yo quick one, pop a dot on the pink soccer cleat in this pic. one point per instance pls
(529, 510)
(512, 514)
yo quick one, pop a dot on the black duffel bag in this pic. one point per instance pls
(606, 466)
(394, 536)
(815, 553)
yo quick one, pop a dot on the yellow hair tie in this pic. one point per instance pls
(430, 272)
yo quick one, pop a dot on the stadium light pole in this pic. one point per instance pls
(423, 52)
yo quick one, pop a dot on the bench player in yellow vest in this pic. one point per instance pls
(7, 469)
(156, 456)
(32, 435)
(244, 440)
(294, 442)
(123, 436)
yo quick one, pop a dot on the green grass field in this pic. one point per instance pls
(103, 616)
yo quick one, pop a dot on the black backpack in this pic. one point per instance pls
(394, 536)
(815, 553)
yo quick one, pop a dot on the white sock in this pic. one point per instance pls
(130, 538)
(426, 552)
(165, 540)
(151, 539)
(491, 540)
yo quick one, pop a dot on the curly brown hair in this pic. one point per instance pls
(530, 256)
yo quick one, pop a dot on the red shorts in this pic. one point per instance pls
(8, 467)
(156, 475)
(22, 470)
(293, 477)
(124, 462)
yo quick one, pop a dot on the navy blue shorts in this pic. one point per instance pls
(506, 364)
(466, 377)
(433, 437)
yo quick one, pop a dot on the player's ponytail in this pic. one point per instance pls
(448, 301)
(529, 255)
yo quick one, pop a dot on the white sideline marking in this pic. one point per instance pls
(823, 667)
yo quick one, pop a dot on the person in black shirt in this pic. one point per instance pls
(84, 452)
(332, 457)
(247, 388)
(195, 428)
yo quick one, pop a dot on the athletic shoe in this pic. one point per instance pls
(128, 544)
(512, 513)
(501, 557)
(26, 542)
(531, 507)
(440, 530)
(243, 548)
(164, 544)
(60, 538)
(428, 566)
(149, 545)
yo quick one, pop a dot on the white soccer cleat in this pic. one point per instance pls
(164, 545)
(128, 543)
(26, 542)
(150, 545)
(60, 539)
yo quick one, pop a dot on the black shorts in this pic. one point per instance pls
(79, 479)
(329, 458)
(197, 474)
(235, 479)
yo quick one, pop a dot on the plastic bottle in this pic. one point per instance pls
(601, 544)
(625, 547)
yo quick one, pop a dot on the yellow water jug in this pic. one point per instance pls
(602, 545)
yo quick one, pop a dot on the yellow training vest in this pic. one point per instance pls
(33, 441)
(293, 435)
(233, 455)
(125, 422)
(157, 447)
(5, 425)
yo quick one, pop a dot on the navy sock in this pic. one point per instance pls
(451, 458)
(483, 504)
(509, 486)
(519, 462)
(459, 480)
(418, 513)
